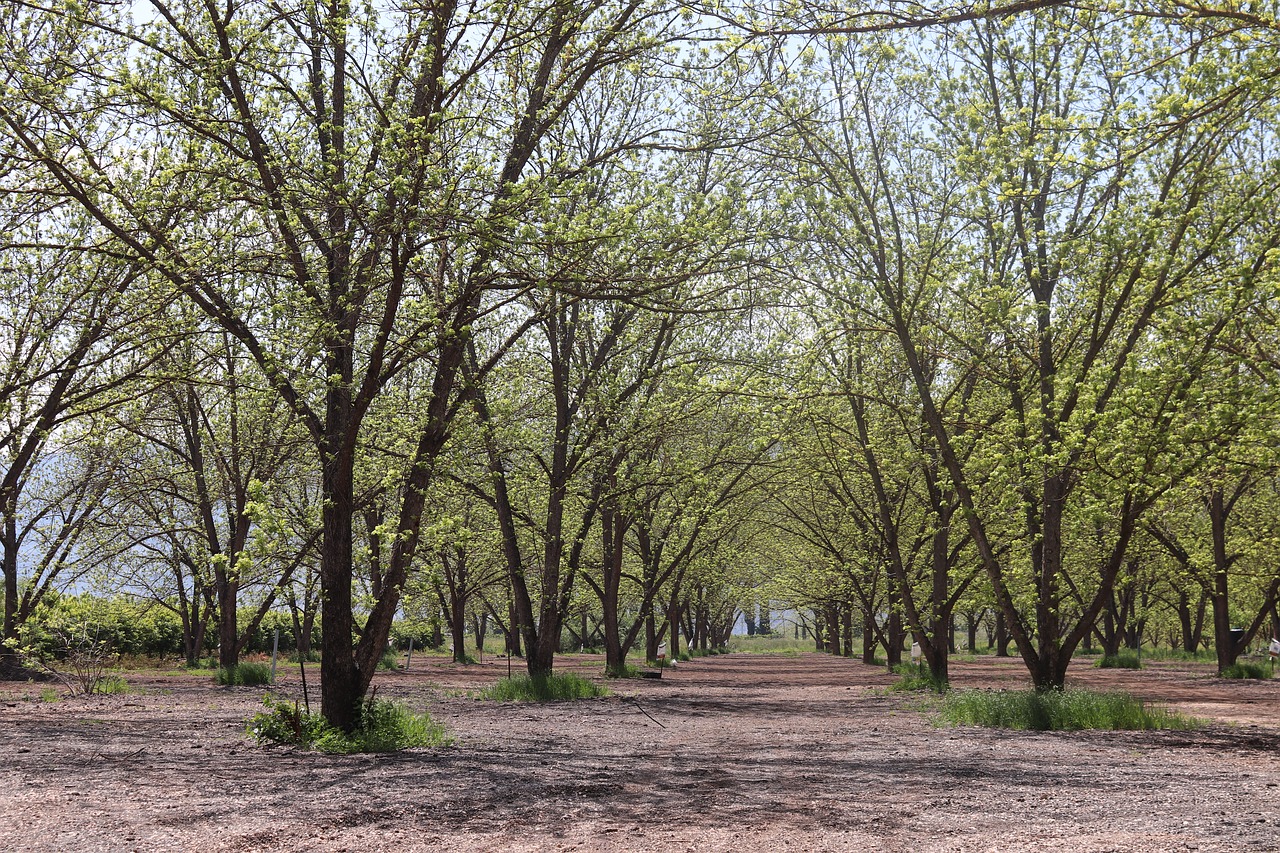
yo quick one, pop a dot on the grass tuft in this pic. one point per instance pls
(382, 726)
(524, 688)
(1259, 671)
(1123, 659)
(1058, 710)
(625, 671)
(244, 675)
(110, 683)
(916, 677)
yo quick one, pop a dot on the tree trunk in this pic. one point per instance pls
(868, 636)
(340, 687)
(10, 558)
(228, 630)
(673, 622)
(832, 622)
(1225, 647)
(457, 617)
(611, 531)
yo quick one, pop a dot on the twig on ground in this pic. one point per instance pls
(646, 713)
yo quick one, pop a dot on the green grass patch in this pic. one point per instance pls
(244, 675)
(914, 677)
(382, 726)
(1123, 659)
(772, 644)
(1058, 710)
(1198, 656)
(390, 660)
(524, 688)
(110, 683)
(1259, 671)
(625, 671)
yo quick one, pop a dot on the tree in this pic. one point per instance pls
(215, 449)
(71, 343)
(344, 219)
(1035, 252)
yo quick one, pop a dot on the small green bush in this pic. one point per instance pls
(1123, 659)
(283, 723)
(390, 660)
(381, 727)
(916, 677)
(244, 675)
(1057, 710)
(626, 671)
(1259, 671)
(524, 688)
(110, 684)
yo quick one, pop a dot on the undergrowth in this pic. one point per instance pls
(1058, 710)
(625, 671)
(382, 726)
(1259, 671)
(916, 677)
(244, 675)
(1123, 659)
(525, 688)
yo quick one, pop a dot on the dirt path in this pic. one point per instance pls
(734, 753)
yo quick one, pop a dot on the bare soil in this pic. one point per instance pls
(734, 753)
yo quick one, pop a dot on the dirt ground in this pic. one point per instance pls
(734, 753)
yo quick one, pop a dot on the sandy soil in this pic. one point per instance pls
(734, 753)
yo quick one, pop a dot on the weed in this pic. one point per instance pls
(626, 671)
(390, 660)
(110, 683)
(244, 675)
(769, 644)
(1200, 655)
(48, 694)
(1123, 659)
(1247, 670)
(1056, 710)
(916, 676)
(381, 726)
(525, 688)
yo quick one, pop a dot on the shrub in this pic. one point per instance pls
(110, 684)
(244, 675)
(381, 726)
(283, 723)
(524, 688)
(390, 660)
(1123, 659)
(625, 671)
(1056, 710)
(917, 677)
(1259, 671)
